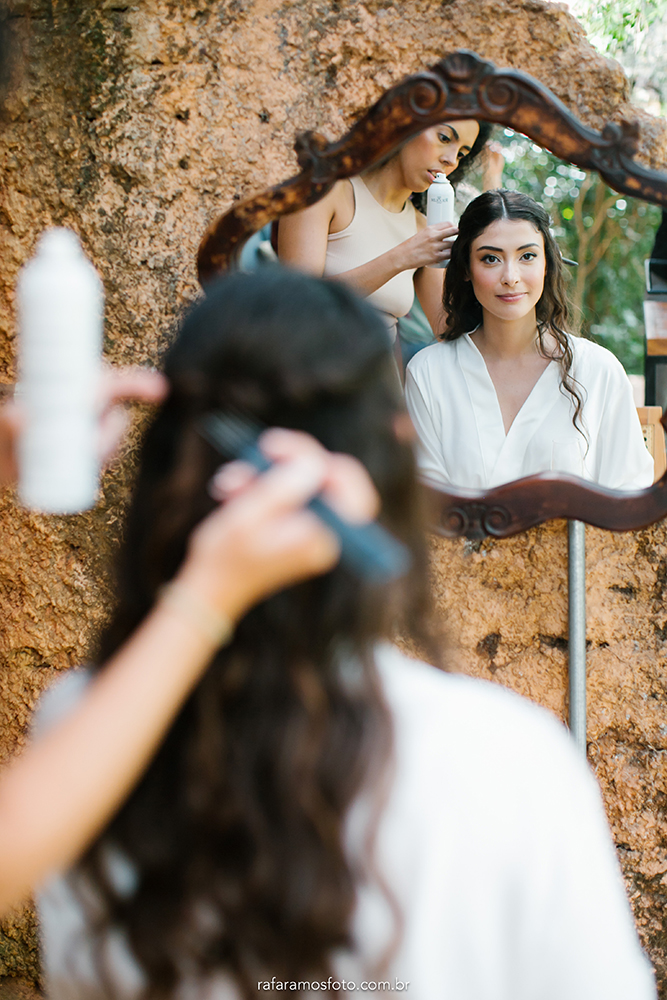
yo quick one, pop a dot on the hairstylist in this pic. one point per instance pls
(367, 231)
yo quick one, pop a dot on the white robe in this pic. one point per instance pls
(493, 843)
(461, 436)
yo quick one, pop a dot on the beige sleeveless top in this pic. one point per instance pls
(372, 232)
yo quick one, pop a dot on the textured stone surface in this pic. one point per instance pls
(18, 988)
(504, 604)
(135, 124)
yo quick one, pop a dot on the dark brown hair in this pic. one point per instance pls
(236, 830)
(463, 311)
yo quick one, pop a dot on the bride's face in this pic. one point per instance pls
(439, 149)
(507, 268)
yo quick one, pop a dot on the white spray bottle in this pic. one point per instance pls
(440, 205)
(60, 311)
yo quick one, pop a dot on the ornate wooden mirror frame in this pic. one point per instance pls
(464, 86)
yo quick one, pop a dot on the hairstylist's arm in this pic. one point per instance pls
(494, 165)
(65, 787)
(302, 236)
(302, 242)
(426, 247)
(429, 283)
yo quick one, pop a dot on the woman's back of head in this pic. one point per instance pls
(241, 815)
(289, 337)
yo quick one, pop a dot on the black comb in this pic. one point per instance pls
(366, 549)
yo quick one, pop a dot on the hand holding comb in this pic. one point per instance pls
(366, 549)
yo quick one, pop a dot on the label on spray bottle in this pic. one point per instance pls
(60, 311)
(440, 205)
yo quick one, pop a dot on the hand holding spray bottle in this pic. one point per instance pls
(60, 311)
(440, 205)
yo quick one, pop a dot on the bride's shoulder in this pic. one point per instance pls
(595, 360)
(461, 707)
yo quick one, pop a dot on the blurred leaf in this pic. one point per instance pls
(635, 33)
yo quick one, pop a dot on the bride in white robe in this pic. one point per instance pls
(517, 395)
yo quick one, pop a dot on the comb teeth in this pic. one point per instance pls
(229, 433)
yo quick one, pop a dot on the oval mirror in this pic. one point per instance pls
(591, 181)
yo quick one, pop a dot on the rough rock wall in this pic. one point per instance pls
(135, 124)
(504, 604)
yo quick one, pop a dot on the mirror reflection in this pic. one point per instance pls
(368, 231)
(510, 390)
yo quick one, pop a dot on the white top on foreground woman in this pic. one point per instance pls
(228, 839)
(494, 846)
(509, 392)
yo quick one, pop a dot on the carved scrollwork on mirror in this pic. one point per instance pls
(506, 510)
(463, 86)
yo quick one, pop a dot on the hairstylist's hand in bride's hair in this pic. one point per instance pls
(260, 539)
(431, 245)
(263, 538)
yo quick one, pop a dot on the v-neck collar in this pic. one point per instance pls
(502, 450)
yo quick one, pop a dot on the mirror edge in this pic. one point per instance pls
(463, 85)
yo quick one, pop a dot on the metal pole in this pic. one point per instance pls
(576, 549)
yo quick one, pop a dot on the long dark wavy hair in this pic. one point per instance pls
(463, 311)
(236, 830)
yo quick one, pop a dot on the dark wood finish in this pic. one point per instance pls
(460, 86)
(513, 507)
(464, 86)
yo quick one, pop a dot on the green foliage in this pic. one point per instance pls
(613, 304)
(619, 22)
(635, 33)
